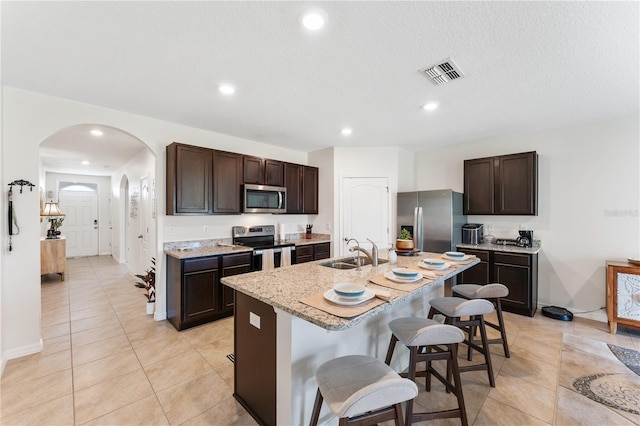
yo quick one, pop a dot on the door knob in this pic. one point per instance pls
(140, 236)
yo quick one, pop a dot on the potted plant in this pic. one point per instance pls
(405, 240)
(149, 284)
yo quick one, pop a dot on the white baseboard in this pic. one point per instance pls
(599, 315)
(23, 351)
(3, 362)
(160, 316)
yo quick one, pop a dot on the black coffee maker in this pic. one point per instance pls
(525, 239)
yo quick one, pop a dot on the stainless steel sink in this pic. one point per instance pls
(349, 263)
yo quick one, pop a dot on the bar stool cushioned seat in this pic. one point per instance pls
(492, 292)
(354, 385)
(454, 308)
(427, 341)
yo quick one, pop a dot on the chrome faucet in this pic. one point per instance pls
(373, 255)
(351, 249)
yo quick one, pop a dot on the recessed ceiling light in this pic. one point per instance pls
(430, 106)
(85, 162)
(227, 89)
(314, 19)
(96, 132)
(346, 131)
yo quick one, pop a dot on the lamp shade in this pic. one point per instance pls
(51, 209)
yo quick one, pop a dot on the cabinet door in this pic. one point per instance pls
(477, 274)
(252, 170)
(199, 289)
(321, 251)
(518, 184)
(479, 186)
(293, 183)
(227, 173)
(304, 253)
(189, 180)
(310, 190)
(273, 172)
(233, 264)
(514, 271)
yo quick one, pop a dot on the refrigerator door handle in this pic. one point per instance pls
(417, 226)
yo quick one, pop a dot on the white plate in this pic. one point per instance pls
(434, 268)
(332, 297)
(457, 259)
(392, 277)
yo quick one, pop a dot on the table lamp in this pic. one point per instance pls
(52, 211)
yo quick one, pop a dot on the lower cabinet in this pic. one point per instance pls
(517, 271)
(195, 294)
(311, 252)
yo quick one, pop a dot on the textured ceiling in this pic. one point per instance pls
(528, 66)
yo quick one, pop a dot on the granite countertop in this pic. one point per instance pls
(301, 240)
(210, 250)
(500, 247)
(282, 288)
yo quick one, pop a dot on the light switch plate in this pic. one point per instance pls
(254, 320)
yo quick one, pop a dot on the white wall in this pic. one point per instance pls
(28, 118)
(589, 192)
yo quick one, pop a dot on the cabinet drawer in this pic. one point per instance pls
(512, 259)
(482, 255)
(200, 264)
(321, 251)
(302, 251)
(236, 259)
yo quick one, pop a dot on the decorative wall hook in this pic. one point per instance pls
(22, 183)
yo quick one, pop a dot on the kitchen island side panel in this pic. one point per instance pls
(255, 358)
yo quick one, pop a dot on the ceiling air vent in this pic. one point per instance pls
(443, 72)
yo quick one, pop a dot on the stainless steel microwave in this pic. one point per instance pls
(264, 199)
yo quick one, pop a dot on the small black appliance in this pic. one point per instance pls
(525, 239)
(556, 312)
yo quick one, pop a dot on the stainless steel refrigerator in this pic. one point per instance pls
(434, 218)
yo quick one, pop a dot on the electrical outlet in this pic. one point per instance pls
(205, 228)
(169, 230)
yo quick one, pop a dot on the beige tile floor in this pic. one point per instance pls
(105, 362)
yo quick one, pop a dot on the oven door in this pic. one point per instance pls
(277, 258)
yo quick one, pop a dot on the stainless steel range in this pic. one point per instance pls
(261, 238)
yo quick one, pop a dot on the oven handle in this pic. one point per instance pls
(275, 250)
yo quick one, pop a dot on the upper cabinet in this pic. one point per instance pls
(204, 181)
(302, 188)
(262, 171)
(189, 179)
(227, 178)
(502, 185)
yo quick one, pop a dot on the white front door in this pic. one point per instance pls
(80, 225)
(365, 212)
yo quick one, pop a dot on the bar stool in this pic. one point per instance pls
(422, 336)
(493, 293)
(361, 390)
(454, 308)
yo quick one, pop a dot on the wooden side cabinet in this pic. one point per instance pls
(53, 256)
(623, 295)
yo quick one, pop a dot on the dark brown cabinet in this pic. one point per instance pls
(311, 252)
(262, 171)
(517, 271)
(195, 294)
(189, 180)
(233, 264)
(503, 185)
(227, 175)
(309, 190)
(302, 188)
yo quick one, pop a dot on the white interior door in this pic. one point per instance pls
(80, 226)
(365, 212)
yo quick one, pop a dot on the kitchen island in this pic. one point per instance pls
(280, 341)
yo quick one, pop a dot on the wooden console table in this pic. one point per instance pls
(623, 294)
(53, 256)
